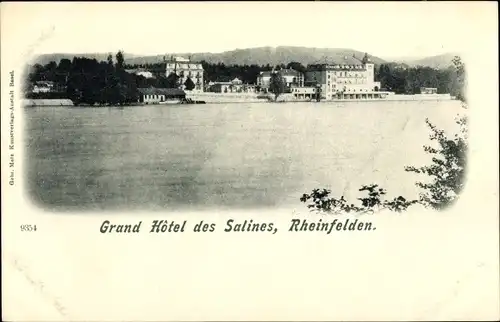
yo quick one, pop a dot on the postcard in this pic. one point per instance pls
(263, 161)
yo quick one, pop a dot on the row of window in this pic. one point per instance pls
(297, 90)
(346, 74)
(184, 66)
(182, 74)
(354, 90)
(154, 97)
(349, 81)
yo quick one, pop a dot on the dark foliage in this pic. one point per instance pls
(402, 79)
(277, 84)
(321, 201)
(172, 81)
(449, 158)
(87, 81)
(447, 170)
(189, 84)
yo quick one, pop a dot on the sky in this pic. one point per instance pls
(383, 29)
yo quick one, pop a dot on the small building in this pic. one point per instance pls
(43, 87)
(234, 86)
(304, 92)
(140, 72)
(291, 77)
(428, 90)
(154, 95)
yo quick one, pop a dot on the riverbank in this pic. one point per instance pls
(46, 102)
(420, 97)
(209, 97)
(212, 98)
(260, 98)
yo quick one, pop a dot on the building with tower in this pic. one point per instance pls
(347, 79)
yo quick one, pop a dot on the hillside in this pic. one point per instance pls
(439, 61)
(260, 56)
(47, 58)
(268, 55)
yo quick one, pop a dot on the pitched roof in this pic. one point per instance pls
(345, 60)
(138, 70)
(341, 67)
(161, 91)
(283, 72)
(289, 72)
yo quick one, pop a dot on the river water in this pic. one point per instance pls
(223, 155)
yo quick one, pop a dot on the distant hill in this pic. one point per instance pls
(266, 55)
(260, 56)
(47, 58)
(439, 61)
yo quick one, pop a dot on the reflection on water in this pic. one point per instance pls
(233, 156)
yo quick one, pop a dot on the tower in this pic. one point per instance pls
(365, 59)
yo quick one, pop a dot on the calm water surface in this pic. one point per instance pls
(223, 155)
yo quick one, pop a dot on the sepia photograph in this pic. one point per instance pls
(335, 122)
(250, 161)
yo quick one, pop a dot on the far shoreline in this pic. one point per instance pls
(394, 98)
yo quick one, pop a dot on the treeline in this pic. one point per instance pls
(246, 73)
(393, 77)
(107, 82)
(88, 81)
(220, 72)
(409, 80)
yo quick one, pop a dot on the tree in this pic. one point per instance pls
(296, 66)
(110, 60)
(277, 85)
(448, 167)
(320, 201)
(120, 60)
(459, 69)
(189, 84)
(172, 80)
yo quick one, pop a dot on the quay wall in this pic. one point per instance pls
(209, 97)
(419, 97)
(47, 102)
(254, 98)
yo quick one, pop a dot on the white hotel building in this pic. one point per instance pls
(345, 80)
